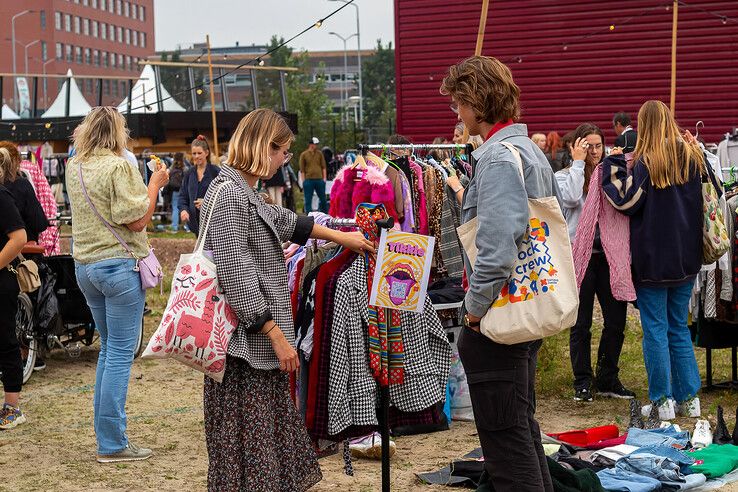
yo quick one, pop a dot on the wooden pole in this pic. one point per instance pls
(672, 100)
(482, 27)
(212, 101)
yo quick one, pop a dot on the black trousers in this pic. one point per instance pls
(597, 281)
(11, 364)
(502, 389)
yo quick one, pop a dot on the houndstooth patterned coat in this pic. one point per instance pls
(245, 236)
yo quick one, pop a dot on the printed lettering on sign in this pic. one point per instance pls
(534, 272)
(402, 272)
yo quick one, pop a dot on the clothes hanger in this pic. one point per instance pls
(697, 128)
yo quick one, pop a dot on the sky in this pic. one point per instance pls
(184, 22)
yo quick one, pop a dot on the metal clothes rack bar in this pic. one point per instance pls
(384, 395)
(468, 149)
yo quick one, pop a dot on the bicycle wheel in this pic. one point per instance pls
(24, 332)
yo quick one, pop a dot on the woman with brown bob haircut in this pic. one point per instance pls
(502, 377)
(256, 440)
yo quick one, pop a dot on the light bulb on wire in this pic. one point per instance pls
(724, 20)
(612, 27)
(261, 62)
(319, 23)
(12, 128)
(199, 91)
(47, 125)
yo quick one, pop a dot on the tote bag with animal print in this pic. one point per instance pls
(197, 323)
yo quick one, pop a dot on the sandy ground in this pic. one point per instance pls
(55, 451)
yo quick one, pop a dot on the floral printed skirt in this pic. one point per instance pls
(255, 438)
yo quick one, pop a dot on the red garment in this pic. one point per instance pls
(498, 126)
(608, 442)
(49, 239)
(373, 186)
(325, 273)
(295, 294)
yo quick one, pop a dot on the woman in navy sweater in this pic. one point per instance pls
(662, 194)
(196, 182)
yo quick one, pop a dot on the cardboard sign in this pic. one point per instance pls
(403, 270)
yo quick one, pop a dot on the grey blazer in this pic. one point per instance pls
(245, 236)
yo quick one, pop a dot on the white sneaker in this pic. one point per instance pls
(667, 410)
(690, 408)
(370, 447)
(702, 436)
(676, 427)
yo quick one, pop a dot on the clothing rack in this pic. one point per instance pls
(468, 149)
(384, 395)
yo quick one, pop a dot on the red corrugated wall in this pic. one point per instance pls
(565, 78)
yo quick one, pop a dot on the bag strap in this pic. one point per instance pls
(200, 245)
(102, 219)
(517, 157)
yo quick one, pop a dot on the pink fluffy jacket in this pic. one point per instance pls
(373, 187)
(615, 237)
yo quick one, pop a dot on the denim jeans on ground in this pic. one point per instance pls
(621, 480)
(175, 210)
(317, 186)
(667, 346)
(640, 437)
(679, 457)
(115, 296)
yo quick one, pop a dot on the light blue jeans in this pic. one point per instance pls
(115, 296)
(175, 210)
(667, 345)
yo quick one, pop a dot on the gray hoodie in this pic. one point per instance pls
(499, 199)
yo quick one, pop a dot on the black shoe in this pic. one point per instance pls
(583, 394)
(40, 365)
(636, 419)
(616, 390)
(721, 434)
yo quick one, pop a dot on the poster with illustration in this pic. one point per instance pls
(403, 270)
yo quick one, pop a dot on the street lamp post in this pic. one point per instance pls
(12, 35)
(46, 101)
(358, 55)
(25, 52)
(344, 84)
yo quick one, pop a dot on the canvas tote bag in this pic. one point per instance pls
(540, 298)
(197, 323)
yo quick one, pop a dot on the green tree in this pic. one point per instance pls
(378, 73)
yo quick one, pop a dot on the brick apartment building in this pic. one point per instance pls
(90, 37)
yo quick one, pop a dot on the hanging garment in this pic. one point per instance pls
(449, 244)
(393, 174)
(408, 221)
(49, 238)
(353, 186)
(420, 198)
(353, 392)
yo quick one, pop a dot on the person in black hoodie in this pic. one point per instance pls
(33, 215)
(662, 194)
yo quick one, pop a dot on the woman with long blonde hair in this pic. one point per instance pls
(105, 270)
(662, 194)
(256, 440)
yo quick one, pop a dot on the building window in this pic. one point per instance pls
(111, 32)
(67, 22)
(78, 54)
(120, 34)
(118, 7)
(42, 16)
(94, 4)
(59, 51)
(126, 9)
(104, 56)
(57, 21)
(44, 52)
(86, 3)
(76, 1)
(134, 38)
(142, 12)
(111, 7)
(112, 60)
(88, 83)
(86, 27)
(127, 32)
(143, 40)
(88, 58)
(115, 88)
(68, 51)
(76, 25)
(96, 58)
(94, 29)
(102, 4)
(128, 62)
(120, 61)
(134, 11)
(106, 87)
(103, 30)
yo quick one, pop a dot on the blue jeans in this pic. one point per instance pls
(667, 345)
(317, 186)
(175, 210)
(115, 296)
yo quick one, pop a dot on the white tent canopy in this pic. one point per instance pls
(78, 105)
(144, 96)
(9, 114)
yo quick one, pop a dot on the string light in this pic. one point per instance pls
(12, 128)
(612, 27)
(47, 125)
(724, 20)
(566, 46)
(319, 23)
(520, 60)
(199, 91)
(261, 62)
